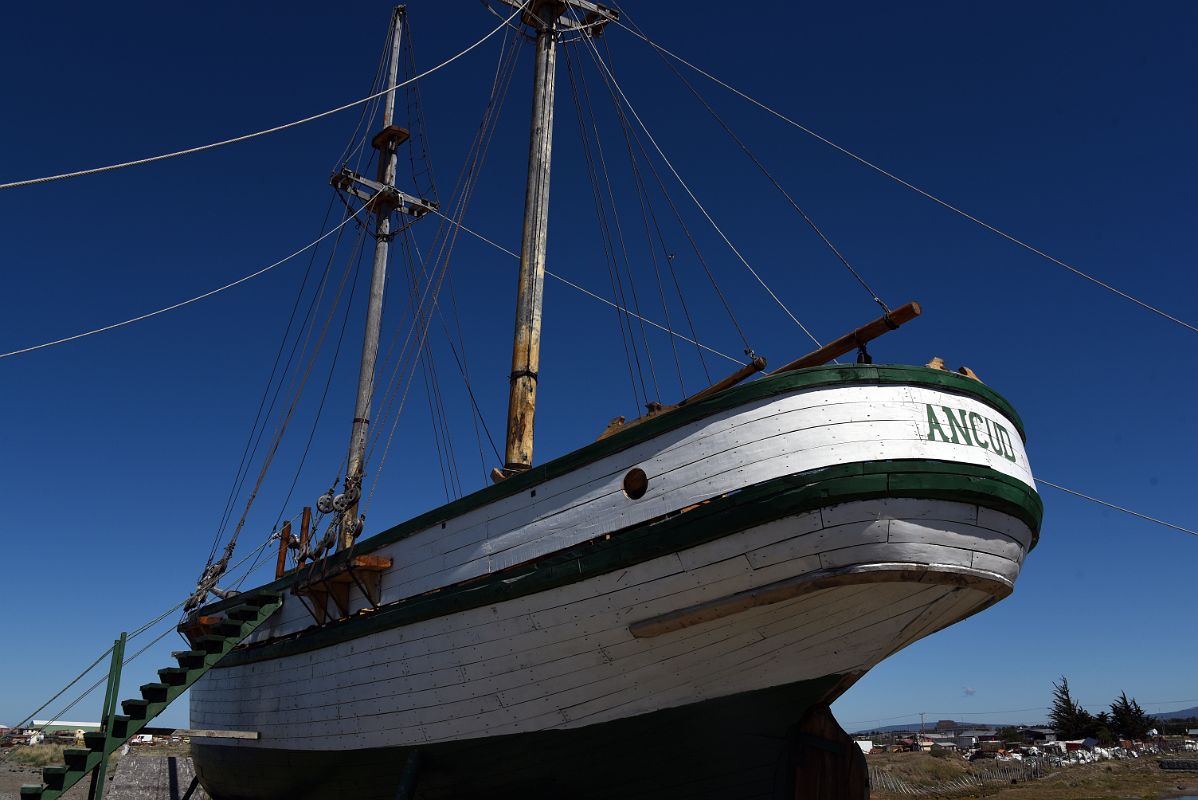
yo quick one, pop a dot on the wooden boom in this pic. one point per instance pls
(851, 341)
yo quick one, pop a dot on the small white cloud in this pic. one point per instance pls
(970, 691)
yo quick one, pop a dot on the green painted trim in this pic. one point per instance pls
(756, 505)
(764, 388)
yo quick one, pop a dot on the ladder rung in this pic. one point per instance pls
(211, 644)
(95, 740)
(75, 755)
(154, 692)
(244, 614)
(227, 629)
(30, 790)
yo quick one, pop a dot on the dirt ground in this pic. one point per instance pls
(146, 773)
(1134, 779)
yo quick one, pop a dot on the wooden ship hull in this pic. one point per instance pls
(648, 616)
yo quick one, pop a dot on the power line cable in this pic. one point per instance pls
(924, 193)
(183, 303)
(256, 134)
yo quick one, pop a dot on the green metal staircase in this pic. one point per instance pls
(116, 729)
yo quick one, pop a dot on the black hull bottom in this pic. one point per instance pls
(733, 748)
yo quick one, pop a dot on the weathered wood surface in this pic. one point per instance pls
(566, 658)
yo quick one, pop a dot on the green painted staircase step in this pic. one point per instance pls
(242, 620)
(174, 676)
(228, 630)
(190, 659)
(155, 692)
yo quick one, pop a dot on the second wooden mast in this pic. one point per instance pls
(546, 17)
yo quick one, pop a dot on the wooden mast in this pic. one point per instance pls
(546, 17)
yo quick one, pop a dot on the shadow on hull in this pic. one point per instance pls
(765, 745)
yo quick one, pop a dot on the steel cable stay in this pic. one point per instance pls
(466, 181)
(922, 192)
(213, 572)
(686, 187)
(630, 135)
(620, 302)
(416, 116)
(649, 215)
(265, 132)
(108, 651)
(589, 111)
(589, 293)
(180, 304)
(619, 228)
(774, 181)
(251, 445)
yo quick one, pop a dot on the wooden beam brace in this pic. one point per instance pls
(858, 338)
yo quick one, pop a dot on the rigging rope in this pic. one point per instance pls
(589, 293)
(183, 303)
(265, 132)
(922, 192)
(612, 78)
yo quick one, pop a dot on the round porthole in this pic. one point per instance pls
(636, 483)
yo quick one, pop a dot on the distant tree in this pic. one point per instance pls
(1070, 720)
(1100, 728)
(1008, 734)
(1128, 719)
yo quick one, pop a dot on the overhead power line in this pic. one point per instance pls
(247, 136)
(924, 193)
(189, 301)
(1076, 493)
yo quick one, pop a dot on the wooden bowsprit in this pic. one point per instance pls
(221, 636)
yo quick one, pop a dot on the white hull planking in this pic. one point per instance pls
(566, 658)
(756, 442)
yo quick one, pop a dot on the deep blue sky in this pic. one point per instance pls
(1070, 125)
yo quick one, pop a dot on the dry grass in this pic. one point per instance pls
(1105, 780)
(38, 755)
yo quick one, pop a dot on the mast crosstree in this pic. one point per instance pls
(546, 18)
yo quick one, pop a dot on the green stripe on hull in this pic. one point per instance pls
(762, 389)
(748, 508)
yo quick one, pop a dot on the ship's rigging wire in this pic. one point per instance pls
(630, 136)
(246, 456)
(588, 292)
(588, 107)
(203, 585)
(623, 320)
(108, 651)
(265, 132)
(597, 56)
(1115, 507)
(182, 303)
(463, 191)
(922, 192)
(774, 181)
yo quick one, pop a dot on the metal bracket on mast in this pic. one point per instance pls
(594, 20)
(381, 197)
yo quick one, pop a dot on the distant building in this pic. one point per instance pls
(1191, 731)
(1038, 735)
(865, 744)
(55, 725)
